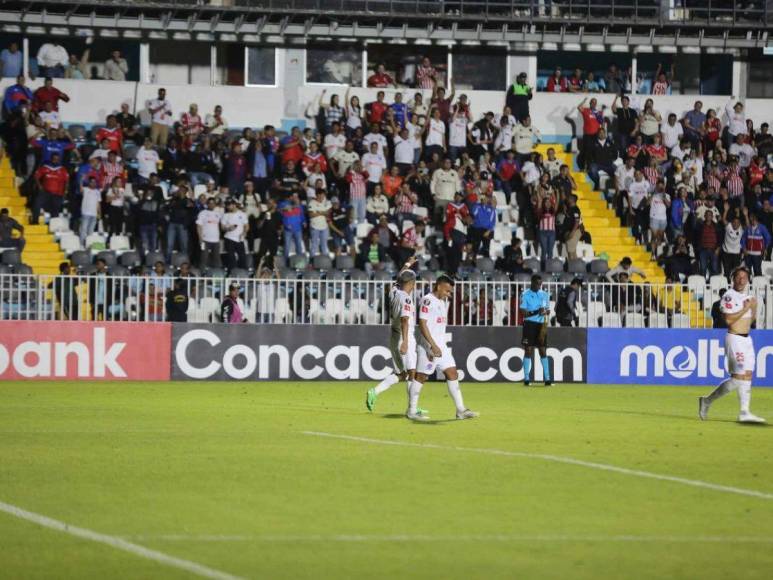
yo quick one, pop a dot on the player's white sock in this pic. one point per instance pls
(744, 395)
(727, 386)
(413, 397)
(386, 383)
(456, 394)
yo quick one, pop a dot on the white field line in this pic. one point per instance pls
(555, 459)
(364, 538)
(115, 542)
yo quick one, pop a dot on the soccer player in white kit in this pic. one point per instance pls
(433, 351)
(739, 309)
(402, 339)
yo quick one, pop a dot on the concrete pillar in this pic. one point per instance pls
(145, 62)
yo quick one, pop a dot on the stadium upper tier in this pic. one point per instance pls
(725, 23)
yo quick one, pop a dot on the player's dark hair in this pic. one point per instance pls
(536, 278)
(444, 279)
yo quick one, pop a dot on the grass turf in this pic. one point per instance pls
(221, 474)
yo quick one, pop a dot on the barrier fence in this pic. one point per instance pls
(359, 302)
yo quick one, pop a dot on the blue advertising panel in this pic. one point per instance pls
(669, 357)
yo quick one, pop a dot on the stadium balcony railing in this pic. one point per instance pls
(689, 12)
(340, 301)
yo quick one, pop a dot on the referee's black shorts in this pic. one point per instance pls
(534, 334)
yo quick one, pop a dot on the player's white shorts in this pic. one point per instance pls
(402, 362)
(426, 364)
(739, 352)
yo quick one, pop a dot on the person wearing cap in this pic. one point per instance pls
(566, 304)
(625, 266)
(232, 309)
(235, 227)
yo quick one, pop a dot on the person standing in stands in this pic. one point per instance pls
(627, 124)
(518, 96)
(177, 302)
(593, 121)
(7, 226)
(566, 305)
(161, 117)
(755, 242)
(208, 227)
(235, 226)
(232, 310)
(17, 97)
(52, 58)
(48, 93)
(52, 181)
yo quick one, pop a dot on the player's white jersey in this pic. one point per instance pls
(401, 306)
(435, 312)
(734, 301)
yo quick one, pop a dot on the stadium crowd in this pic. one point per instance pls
(380, 181)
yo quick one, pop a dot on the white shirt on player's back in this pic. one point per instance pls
(401, 306)
(434, 311)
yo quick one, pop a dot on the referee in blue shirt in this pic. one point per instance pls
(535, 304)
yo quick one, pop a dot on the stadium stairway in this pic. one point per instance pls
(616, 241)
(42, 252)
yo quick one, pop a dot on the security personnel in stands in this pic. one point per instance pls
(518, 96)
(177, 302)
(566, 305)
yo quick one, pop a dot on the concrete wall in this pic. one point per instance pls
(91, 101)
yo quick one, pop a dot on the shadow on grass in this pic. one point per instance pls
(429, 422)
(665, 416)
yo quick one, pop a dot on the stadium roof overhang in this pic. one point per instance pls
(298, 22)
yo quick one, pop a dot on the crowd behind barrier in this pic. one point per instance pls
(311, 299)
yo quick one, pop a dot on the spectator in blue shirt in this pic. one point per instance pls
(12, 61)
(484, 215)
(535, 304)
(293, 220)
(56, 143)
(400, 110)
(17, 96)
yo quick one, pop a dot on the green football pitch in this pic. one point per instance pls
(298, 481)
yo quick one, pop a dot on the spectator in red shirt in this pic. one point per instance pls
(455, 231)
(51, 180)
(376, 109)
(112, 134)
(193, 126)
(381, 80)
(442, 104)
(576, 82)
(48, 94)
(426, 74)
(592, 122)
(292, 147)
(557, 83)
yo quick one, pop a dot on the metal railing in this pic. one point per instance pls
(292, 301)
(646, 12)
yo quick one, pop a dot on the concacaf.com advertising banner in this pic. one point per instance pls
(669, 357)
(318, 352)
(109, 351)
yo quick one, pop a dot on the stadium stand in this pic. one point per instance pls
(394, 166)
